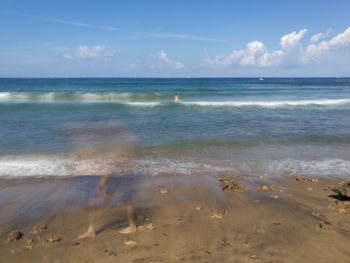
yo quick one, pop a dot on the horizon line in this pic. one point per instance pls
(110, 77)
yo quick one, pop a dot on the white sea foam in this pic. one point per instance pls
(325, 167)
(38, 166)
(57, 166)
(34, 166)
(143, 104)
(107, 96)
(4, 95)
(269, 104)
(123, 98)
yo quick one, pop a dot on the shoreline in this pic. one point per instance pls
(179, 219)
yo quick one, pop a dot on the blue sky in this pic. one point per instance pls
(174, 38)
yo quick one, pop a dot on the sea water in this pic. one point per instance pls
(253, 126)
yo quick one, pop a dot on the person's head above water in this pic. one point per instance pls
(176, 98)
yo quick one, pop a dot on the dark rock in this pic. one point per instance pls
(112, 254)
(342, 189)
(233, 186)
(14, 236)
(324, 224)
(302, 178)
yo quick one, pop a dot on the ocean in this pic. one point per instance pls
(267, 127)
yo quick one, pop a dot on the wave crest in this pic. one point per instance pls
(269, 104)
(152, 99)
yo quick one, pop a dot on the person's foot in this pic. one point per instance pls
(90, 233)
(128, 230)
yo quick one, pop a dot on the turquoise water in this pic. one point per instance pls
(253, 126)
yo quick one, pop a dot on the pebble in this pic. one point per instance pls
(216, 215)
(28, 247)
(163, 190)
(130, 243)
(54, 239)
(265, 188)
(150, 226)
(38, 229)
(343, 206)
(342, 210)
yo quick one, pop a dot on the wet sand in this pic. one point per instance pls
(179, 219)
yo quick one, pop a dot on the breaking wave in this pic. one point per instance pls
(270, 104)
(153, 99)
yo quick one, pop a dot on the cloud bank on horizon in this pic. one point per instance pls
(256, 54)
(290, 53)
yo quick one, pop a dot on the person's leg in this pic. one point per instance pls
(102, 186)
(130, 213)
(90, 233)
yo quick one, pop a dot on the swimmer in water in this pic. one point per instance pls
(177, 98)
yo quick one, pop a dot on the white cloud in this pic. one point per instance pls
(289, 41)
(163, 56)
(255, 54)
(179, 65)
(319, 36)
(341, 41)
(291, 51)
(98, 52)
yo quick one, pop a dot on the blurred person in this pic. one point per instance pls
(103, 149)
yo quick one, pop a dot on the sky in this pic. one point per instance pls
(175, 38)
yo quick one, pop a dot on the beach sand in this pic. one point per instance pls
(179, 219)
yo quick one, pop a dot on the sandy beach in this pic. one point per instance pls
(178, 218)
